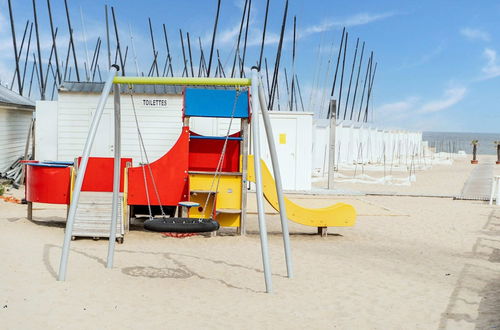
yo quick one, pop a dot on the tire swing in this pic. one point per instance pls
(181, 225)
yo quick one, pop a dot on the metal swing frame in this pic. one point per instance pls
(257, 100)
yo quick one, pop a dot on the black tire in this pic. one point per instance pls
(181, 225)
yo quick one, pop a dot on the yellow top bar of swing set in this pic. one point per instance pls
(182, 81)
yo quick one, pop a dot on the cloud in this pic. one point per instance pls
(351, 21)
(228, 35)
(475, 34)
(398, 107)
(492, 68)
(412, 106)
(451, 97)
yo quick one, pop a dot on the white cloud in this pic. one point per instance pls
(451, 97)
(492, 68)
(475, 34)
(228, 35)
(397, 107)
(355, 20)
(413, 107)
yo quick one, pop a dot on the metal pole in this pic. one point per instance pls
(116, 178)
(81, 172)
(18, 73)
(331, 153)
(258, 180)
(277, 179)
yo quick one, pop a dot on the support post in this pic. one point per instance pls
(277, 179)
(258, 180)
(81, 173)
(116, 178)
(244, 176)
(331, 153)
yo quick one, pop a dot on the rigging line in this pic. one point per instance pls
(147, 159)
(140, 152)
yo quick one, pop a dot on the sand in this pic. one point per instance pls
(409, 263)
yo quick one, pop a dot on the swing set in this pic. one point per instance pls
(204, 176)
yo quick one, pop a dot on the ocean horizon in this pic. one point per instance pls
(457, 141)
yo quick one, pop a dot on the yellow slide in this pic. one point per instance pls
(336, 215)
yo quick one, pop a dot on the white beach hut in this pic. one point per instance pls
(16, 114)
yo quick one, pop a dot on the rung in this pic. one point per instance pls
(213, 173)
(230, 211)
(206, 137)
(202, 192)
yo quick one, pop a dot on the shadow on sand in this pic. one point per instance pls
(476, 297)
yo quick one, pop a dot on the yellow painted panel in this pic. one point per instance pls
(228, 196)
(336, 215)
(282, 138)
(228, 220)
(195, 212)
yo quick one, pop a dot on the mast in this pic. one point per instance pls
(263, 35)
(18, 73)
(169, 58)
(364, 85)
(107, 36)
(52, 30)
(42, 87)
(336, 70)
(71, 42)
(213, 38)
(242, 72)
(118, 48)
(342, 73)
(357, 80)
(237, 50)
(350, 79)
(153, 43)
(278, 58)
(183, 55)
(191, 56)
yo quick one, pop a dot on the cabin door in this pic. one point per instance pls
(103, 142)
(284, 130)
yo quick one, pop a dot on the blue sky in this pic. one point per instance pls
(438, 65)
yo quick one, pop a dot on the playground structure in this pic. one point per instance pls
(209, 172)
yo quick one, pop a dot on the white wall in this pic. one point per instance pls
(160, 125)
(14, 127)
(292, 132)
(46, 130)
(356, 143)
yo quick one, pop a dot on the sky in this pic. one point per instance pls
(438, 62)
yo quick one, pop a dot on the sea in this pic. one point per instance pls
(454, 142)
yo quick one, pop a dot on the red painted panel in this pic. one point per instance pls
(48, 184)
(170, 175)
(99, 173)
(204, 154)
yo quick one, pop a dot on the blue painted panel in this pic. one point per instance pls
(215, 103)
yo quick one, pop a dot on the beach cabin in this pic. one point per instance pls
(16, 114)
(62, 127)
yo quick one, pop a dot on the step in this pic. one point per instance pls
(213, 173)
(202, 192)
(228, 211)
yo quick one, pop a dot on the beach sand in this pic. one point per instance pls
(408, 263)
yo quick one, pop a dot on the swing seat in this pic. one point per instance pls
(181, 225)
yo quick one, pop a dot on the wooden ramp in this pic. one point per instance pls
(478, 185)
(93, 216)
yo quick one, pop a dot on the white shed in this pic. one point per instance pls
(63, 126)
(16, 114)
